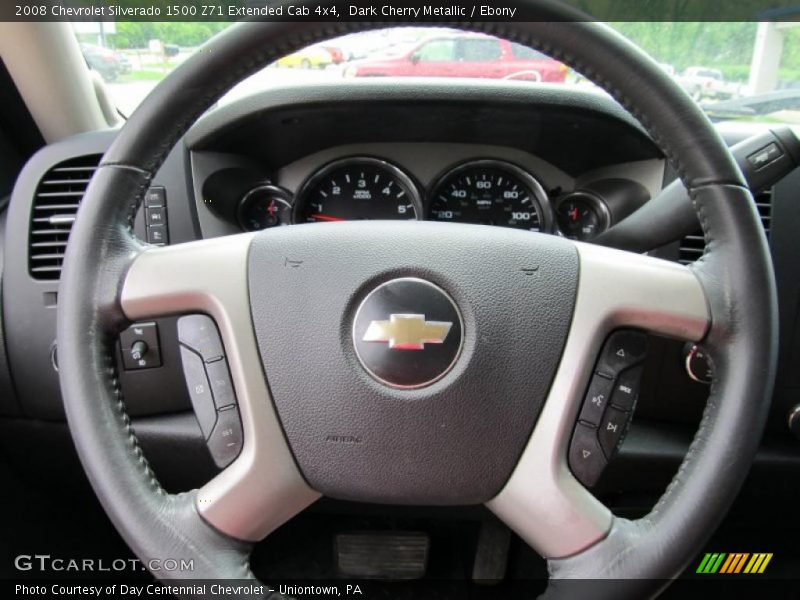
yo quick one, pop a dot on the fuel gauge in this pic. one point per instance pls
(264, 207)
(582, 215)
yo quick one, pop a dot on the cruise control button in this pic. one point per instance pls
(612, 429)
(626, 390)
(586, 459)
(221, 385)
(622, 350)
(199, 333)
(597, 397)
(199, 391)
(225, 442)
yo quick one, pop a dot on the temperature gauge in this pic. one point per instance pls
(582, 215)
(264, 207)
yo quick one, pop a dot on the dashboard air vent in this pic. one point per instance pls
(693, 246)
(54, 208)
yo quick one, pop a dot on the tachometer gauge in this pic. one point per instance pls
(263, 207)
(582, 215)
(491, 192)
(358, 188)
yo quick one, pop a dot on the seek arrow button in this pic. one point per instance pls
(611, 430)
(624, 349)
(586, 458)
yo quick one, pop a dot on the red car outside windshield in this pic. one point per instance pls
(464, 56)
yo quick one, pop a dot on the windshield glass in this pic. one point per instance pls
(735, 71)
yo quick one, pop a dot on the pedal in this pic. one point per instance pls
(491, 555)
(382, 555)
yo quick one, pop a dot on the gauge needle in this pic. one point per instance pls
(318, 217)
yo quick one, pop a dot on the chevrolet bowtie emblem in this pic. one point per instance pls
(407, 332)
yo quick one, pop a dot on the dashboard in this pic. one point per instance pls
(388, 152)
(538, 158)
(493, 186)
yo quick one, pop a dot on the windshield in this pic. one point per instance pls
(735, 71)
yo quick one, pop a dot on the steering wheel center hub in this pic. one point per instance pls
(385, 343)
(408, 333)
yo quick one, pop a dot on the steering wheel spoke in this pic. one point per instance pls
(261, 488)
(622, 289)
(543, 501)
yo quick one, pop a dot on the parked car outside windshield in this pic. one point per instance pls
(104, 61)
(463, 56)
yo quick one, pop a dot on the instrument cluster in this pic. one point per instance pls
(480, 191)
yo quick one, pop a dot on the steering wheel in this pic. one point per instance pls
(486, 416)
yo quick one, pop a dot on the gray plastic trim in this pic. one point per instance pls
(262, 488)
(542, 501)
(46, 64)
(649, 173)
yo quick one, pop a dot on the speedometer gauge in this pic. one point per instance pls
(358, 188)
(491, 192)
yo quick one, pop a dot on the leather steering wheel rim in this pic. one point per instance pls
(735, 275)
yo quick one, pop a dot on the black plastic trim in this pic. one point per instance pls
(284, 124)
